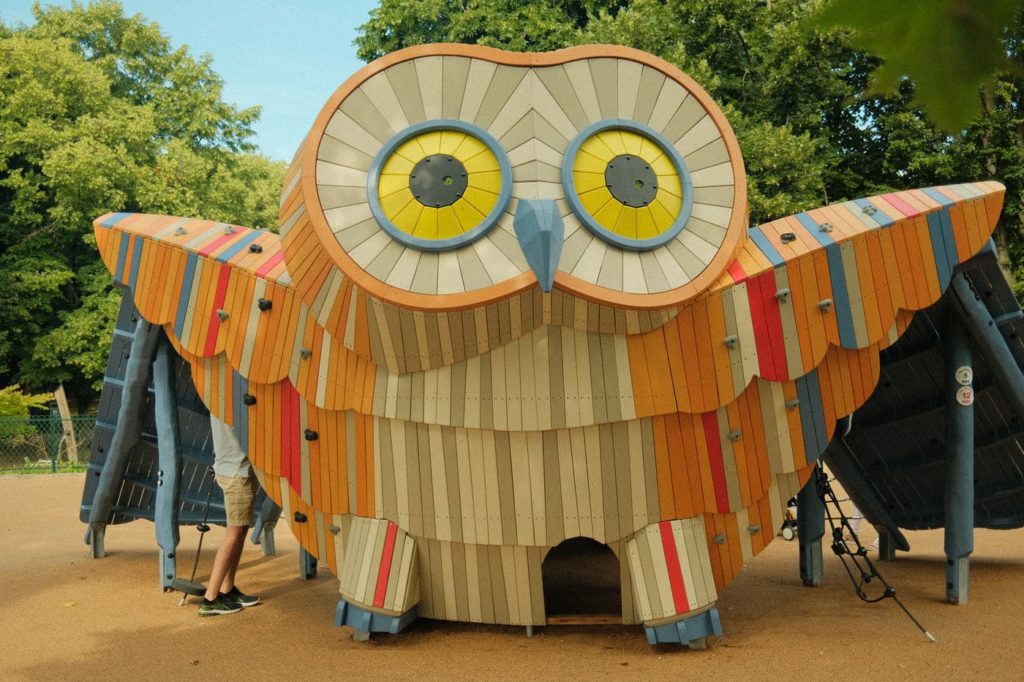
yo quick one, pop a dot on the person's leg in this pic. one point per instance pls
(226, 561)
(237, 538)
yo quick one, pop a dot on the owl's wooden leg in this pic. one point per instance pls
(379, 578)
(673, 588)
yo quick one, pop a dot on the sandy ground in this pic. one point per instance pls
(64, 615)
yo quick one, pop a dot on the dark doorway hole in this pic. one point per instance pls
(581, 577)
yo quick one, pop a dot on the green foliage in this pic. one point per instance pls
(15, 403)
(949, 48)
(509, 24)
(98, 113)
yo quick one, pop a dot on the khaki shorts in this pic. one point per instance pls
(239, 498)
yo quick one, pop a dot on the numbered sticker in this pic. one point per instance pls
(965, 396)
(964, 376)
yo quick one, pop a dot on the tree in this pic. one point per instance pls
(98, 113)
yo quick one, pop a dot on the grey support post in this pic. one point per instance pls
(126, 435)
(170, 460)
(959, 400)
(810, 524)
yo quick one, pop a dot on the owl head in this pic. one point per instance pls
(448, 177)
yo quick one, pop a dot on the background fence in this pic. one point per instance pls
(45, 444)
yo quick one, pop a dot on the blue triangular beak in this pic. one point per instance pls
(540, 231)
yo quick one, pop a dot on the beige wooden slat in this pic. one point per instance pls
(477, 82)
(539, 341)
(534, 455)
(648, 91)
(401, 275)
(713, 176)
(425, 279)
(491, 483)
(473, 586)
(704, 251)
(430, 81)
(655, 278)
(634, 278)
(403, 79)
(583, 388)
(448, 580)
(337, 197)
(342, 128)
(670, 98)
(474, 274)
(547, 107)
(504, 81)
(588, 267)
(627, 405)
(714, 196)
(594, 483)
(385, 262)
(629, 75)
(514, 109)
(703, 132)
(503, 237)
(634, 459)
(358, 107)
(711, 154)
(523, 584)
(557, 82)
(732, 481)
(641, 593)
(497, 265)
(381, 95)
(449, 273)
(582, 81)
(455, 73)
(610, 275)
(438, 488)
(510, 584)
(334, 151)
(743, 524)
(690, 111)
(604, 72)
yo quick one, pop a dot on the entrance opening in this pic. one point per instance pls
(581, 583)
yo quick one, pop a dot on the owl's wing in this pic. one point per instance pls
(843, 277)
(224, 297)
(744, 387)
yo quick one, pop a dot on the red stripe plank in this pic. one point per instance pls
(736, 272)
(675, 574)
(762, 338)
(218, 303)
(291, 452)
(773, 322)
(385, 565)
(218, 242)
(901, 206)
(714, 444)
(270, 264)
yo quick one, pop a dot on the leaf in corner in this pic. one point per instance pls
(947, 47)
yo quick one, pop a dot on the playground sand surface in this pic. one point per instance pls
(64, 615)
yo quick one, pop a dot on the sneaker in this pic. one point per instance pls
(242, 598)
(219, 606)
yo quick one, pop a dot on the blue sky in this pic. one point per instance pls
(287, 56)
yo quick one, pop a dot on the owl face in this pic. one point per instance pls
(448, 177)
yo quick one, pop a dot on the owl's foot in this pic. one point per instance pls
(691, 631)
(366, 622)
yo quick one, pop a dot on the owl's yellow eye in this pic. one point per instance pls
(627, 184)
(439, 185)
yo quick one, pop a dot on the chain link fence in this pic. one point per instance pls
(45, 444)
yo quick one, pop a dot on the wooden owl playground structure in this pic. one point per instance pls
(515, 301)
